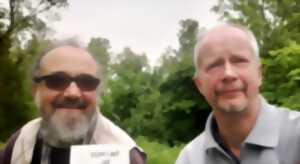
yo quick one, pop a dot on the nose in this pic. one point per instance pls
(72, 91)
(230, 73)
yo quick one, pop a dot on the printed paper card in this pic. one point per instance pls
(99, 154)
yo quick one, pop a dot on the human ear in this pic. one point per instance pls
(198, 82)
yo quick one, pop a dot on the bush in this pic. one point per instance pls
(158, 153)
(1, 145)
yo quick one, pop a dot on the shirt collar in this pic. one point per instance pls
(264, 133)
(266, 129)
(208, 134)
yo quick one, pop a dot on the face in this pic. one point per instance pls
(67, 112)
(229, 75)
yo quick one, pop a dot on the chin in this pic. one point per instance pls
(67, 127)
(235, 106)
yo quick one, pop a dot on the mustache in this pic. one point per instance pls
(69, 103)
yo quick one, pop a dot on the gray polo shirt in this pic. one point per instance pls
(275, 139)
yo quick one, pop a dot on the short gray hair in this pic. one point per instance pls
(53, 44)
(248, 32)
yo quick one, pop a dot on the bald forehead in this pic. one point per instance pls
(225, 32)
(223, 36)
(68, 59)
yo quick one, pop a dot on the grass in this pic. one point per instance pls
(159, 153)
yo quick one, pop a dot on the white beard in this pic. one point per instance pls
(63, 128)
(66, 128)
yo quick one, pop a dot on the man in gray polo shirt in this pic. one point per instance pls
(243, 127)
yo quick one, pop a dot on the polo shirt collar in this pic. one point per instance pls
(208, 134)
(265, 132)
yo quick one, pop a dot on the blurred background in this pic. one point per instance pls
(146, 49)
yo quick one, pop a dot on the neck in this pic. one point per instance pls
(235, 127)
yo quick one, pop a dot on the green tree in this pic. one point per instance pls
(21, 24)
(127, 80)
(284, 67)
(183, 107)
(162, 103)
(100, 47)
(273, 22)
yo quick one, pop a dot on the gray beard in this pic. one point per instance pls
(60, 130)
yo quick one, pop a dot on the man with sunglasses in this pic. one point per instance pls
(65, 87)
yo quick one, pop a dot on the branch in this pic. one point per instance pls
(12, 5)
(18, 25)
(38, 11)
(262, 10)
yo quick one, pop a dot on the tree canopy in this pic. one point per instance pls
(21, 24)
(159, 102)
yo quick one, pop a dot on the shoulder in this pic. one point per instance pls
(284, 116)
(111, 132)
(137, 156)
(193, 151)
(27, 130)
(287, 116)
(291, 115)
(107, 132)
(6, 153)
(289, 122)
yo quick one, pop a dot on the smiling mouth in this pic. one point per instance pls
(76, 105)
(71, 109)
(230, 93)
(69, 104)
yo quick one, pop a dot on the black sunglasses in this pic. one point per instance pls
(60, 81)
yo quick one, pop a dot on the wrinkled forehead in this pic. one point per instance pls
(225, 34)
(224, 38)
(68, 59)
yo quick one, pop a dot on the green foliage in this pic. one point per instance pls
(273, 22)
(187, 38)
(158, 153)
(2, 145)
(16, 105)
(129, 84)
(160, 103)
(182, 105)
(18, 45)
(282, 76)
(99, 47)
(184, 108)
